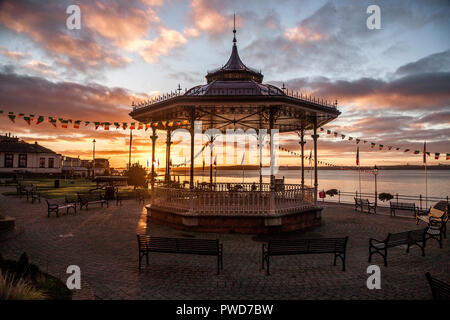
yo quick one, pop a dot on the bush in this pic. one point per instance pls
(12, 288)
(332, 192)
(137, 176)
(385, 196)
(24, 280)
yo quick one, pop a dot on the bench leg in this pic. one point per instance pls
(262, 258)
(422, 247)
(218, 264)
(343, 262)
(140, 258)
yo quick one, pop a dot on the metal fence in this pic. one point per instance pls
(420, 201)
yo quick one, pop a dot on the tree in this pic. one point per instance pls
(137, 176)
(332, 192)
(385, 196)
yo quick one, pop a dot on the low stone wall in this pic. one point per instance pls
(254, 224)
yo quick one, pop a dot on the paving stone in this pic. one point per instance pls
(103, 243)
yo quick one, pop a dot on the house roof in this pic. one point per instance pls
(15, 145)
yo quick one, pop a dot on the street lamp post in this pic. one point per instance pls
(375, 172)
(93, 159)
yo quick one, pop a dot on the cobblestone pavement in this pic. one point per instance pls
(103, 243)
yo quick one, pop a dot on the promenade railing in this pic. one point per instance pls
(420, 200)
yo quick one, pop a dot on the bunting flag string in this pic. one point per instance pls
(381, 147)
(65, 123)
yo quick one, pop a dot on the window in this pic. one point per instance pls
(51, 162)
(41, 162)
(9, 160)
(23, 160)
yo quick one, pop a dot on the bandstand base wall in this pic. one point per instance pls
(264, 224)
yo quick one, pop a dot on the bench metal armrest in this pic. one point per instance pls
(371, 240)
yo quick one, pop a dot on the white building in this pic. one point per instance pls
(73, 167)
(17, 156)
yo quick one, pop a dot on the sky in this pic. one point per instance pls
(392, 84)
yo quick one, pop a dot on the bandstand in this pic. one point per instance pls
(235, 97)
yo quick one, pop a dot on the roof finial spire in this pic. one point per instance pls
(234, 28)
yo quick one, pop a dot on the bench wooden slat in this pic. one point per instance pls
(439, 289)
(304, 246)
(148, 244)
(408, 238)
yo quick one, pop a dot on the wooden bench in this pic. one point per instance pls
(364, 203)
(439, 210)
(358, 204)
(337, 246)
(33, 194)
(402, 206)
(54, 205)
(148, 244)
(142, 195)
(439, 289)
(21, 190)
(437, 229)
(85, 199)
(408, 238)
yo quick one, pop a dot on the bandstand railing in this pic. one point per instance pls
(233, 199)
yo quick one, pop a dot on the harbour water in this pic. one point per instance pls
(402, 182)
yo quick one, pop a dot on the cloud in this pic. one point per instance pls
(207, 16)
(46, 26)
(410, 92)
(121, 24)
(108, 31)
(41, 67)
(438, 62)
(14, 55)
(301, 35)
(28, 94)
(166, 41)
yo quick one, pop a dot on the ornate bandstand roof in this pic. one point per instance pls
(235, 97)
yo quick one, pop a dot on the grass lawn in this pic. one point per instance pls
(66, 188)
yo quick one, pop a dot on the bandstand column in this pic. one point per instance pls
(271, 124)
(315, 136)
(168, 144)
(211, 161)
(260, 159)
(153, 137)
(302, 145)
(192, 132)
